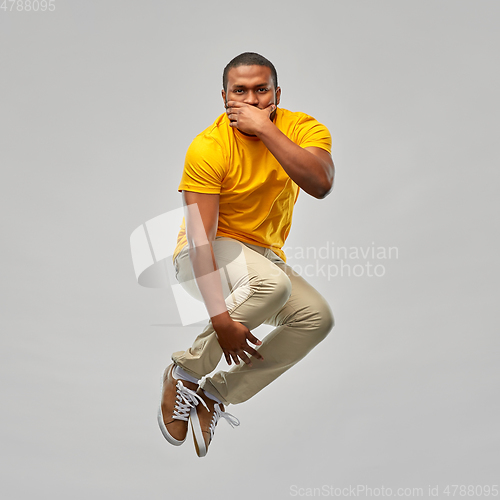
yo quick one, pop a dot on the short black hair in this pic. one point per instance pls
(249, 59)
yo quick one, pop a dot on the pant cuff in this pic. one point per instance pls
(178, 362)
(207, 386)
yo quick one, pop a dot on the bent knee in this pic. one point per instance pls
(277, 290)
(282, 287)
(324, 320)
(274, 289)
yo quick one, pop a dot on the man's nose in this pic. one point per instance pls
(251, 98)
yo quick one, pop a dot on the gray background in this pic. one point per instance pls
(99, 101)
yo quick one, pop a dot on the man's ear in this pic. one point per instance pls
(224, 97)
(278, 95)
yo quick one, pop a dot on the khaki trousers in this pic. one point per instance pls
(261, 288)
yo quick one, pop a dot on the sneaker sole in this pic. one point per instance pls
(163, 428)
(165, 432)
(199, 440)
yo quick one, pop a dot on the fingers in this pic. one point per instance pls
(236, 355)
(235, 104)
(241, 354)
(245, 358)
(254, 353)
(236, 346)
(270, 108)
(232, 115)
(253, 339)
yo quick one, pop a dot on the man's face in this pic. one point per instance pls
(252, 85)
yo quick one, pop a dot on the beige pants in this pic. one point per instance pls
(263, 289)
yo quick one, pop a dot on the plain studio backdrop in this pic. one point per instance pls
(99, 102)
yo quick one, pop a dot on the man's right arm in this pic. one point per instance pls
(202, 214)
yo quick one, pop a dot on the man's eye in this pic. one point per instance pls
(262, 90)
(238, 91)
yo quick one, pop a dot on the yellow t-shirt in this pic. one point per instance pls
(256, 195)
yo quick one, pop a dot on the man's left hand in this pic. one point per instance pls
(248, 119)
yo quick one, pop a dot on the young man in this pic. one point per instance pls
(240, 182)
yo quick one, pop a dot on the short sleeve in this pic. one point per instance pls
(203, 167)
(309, 132)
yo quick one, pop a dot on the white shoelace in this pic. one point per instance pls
(218, 413)
(185, 400)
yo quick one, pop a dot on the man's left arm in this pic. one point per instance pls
(311, 168)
